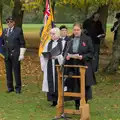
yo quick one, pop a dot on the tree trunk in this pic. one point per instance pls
(112, 67)
(18, 13)
(0, 8)
(103, 15)
(103, 10)
(86, 8)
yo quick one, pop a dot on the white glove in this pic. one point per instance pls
(22, 52)
(60, 59)
(21, 57)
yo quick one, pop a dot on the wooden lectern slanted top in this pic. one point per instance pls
(84, 107)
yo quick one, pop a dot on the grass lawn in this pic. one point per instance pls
(31, 33)
(32, 103)
(36, 27)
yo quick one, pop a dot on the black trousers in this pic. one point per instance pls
(13, 66)
(88, 95)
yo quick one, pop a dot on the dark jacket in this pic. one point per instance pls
(11, 44)
(93, 29)
(86, 50)
(66, 38)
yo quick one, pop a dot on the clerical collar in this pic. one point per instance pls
(55, 40)
(62, 38)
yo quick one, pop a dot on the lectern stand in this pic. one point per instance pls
(84, 107)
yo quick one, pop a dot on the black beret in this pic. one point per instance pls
(10, 18)
(63, 27)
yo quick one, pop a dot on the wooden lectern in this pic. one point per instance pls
(84, 107)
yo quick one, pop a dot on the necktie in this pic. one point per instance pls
(9, 32)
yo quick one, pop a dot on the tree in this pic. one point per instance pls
(36, 6)
(101, 5)
(3, 4)
(81, 6)
(29, 5)
(0, 8)
(103, 10)
(112, 67)
(17, 12)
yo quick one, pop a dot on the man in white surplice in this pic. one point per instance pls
(50, 84)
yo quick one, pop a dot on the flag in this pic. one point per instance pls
(48, 24)
(1, 30)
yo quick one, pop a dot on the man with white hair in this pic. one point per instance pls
(50, 80)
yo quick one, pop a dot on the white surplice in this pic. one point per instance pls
(44, 62)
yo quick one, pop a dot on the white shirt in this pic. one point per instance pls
(11, 29)
(63, 38)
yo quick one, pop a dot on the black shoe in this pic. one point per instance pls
(9, 91)
(18, 91)
(54, 103)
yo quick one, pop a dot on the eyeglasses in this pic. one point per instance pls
(9, 21)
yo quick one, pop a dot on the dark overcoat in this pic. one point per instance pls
(86, 50)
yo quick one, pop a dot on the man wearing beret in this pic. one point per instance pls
(64, 32)
(14, 48)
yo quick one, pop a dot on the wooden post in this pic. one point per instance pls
(82, 86)
(59, 104)
(84, 108)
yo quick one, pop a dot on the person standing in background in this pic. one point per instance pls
(64, 32)
(93, 28)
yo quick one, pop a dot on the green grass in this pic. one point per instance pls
(32, 103)
(32, 31)
(36, 27)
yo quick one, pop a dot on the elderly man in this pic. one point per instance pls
(14, 48)
(50, 80)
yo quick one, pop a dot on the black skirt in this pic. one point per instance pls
(73, 84)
